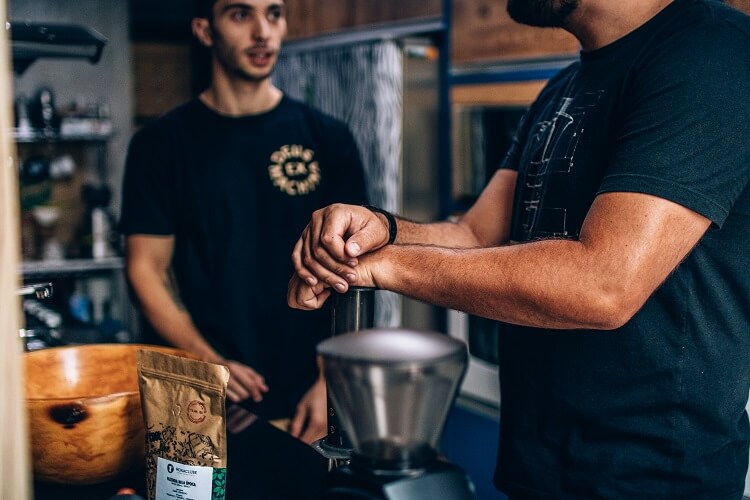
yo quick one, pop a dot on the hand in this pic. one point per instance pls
(244, 383)
(300, 295)
(330, 246)
(310, 421)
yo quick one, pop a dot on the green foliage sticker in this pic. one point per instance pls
(219, 488)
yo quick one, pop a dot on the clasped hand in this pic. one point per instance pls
(334, 251)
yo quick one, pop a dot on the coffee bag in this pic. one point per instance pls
(183, 403)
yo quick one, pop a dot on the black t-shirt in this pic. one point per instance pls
(654, 409)
(236, 192)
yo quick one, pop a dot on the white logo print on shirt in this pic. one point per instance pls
(293, 170)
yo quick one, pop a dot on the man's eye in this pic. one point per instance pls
(275, 14)
(239, 15)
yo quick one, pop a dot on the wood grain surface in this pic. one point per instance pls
(14, 461)
(307, 18)
(483, 31)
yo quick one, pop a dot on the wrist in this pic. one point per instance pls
(207, 354)
(390, 220)
(380, 266)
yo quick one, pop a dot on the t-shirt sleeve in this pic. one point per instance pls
(348, 180)
(147, 188)
(685, 134)
(513, 155)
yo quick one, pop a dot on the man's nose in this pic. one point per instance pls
(261, 28)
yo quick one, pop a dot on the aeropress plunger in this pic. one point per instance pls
(350, 312)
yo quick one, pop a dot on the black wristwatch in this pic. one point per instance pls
(392, 228)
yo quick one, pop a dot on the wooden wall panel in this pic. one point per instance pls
(161, 73)
(497, 94)
(483, 31)
(307, 18)
(743, 5)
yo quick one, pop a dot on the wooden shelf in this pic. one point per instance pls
(37, 136)
(70, 267)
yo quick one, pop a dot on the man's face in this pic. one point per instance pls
(543, 13)
(246, 36)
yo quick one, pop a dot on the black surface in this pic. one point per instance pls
(438, 480)
(263, 463)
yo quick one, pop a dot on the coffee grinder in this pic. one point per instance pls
(392, 389)
(350, 312)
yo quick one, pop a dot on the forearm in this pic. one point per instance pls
(473, 229)
(549, 284)
(598, 281)
(451, 234)
(167, 316)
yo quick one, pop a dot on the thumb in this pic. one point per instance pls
(371, 236)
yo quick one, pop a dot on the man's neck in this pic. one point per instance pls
(237, 98)
(597, 23)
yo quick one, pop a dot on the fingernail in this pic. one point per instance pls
(340, 287)
(354, 247)
(351, 278)
(310, 281)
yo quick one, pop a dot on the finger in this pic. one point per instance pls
(234, 395)
(299, 269)
(335, 225)
(307, 299)
(316, 429)
(333, 273)
(302, 296)
(317, 259)
(249, 381)
(237, 388)
(297, 422)
(327, 233)
(256, 391)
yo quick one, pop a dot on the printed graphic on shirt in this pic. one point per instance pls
(551, 153)
(294, 170)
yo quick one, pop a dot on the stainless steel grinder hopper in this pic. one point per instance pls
(392, 390)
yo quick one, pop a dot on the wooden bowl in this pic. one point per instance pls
(84, 411)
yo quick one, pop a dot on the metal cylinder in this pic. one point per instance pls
(350, 312)
(353, 311)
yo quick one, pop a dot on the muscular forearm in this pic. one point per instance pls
(598, 281)
(551, 284)
(166, 315)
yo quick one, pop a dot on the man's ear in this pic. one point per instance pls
(202, 30)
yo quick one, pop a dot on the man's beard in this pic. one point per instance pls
(542, 13)
(229, 59)
(249, 77)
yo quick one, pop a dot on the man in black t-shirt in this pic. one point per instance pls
(215, 194)
(613, 241)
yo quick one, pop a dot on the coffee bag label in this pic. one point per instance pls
(176, 481)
